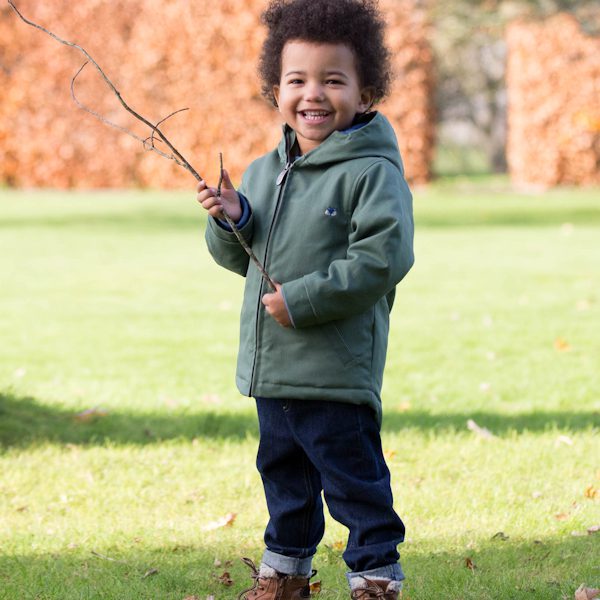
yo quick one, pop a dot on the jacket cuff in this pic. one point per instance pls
(246, 213)
(226, 234)
(297, 301)
(288, 308)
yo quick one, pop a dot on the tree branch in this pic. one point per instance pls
(114, 125)
(176, 155)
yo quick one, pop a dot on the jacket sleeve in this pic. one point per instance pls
(224, 247)
(379, 255)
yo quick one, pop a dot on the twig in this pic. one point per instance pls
(147, 572)
(235, 230)
(121, 562)
(220, 175)
(177, 157)
(162, 121)
(114, 125)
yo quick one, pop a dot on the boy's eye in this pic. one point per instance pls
(295, 81)
(334, 82)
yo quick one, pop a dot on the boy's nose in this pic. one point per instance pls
(314, 93)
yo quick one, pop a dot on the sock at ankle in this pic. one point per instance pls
(267, 571)
(357, 583)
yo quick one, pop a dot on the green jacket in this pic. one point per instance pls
(335, 228)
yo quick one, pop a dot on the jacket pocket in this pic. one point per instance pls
(351, 338)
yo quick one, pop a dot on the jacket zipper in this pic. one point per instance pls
(280, 182)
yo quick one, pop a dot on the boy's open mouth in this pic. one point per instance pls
(315, 115)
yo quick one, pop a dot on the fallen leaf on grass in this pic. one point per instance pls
(149, 573)
(90, 414)
(586, 593)
(389, 454)
(103, 557)
(563, 439)
(582, 305)
(211, 399)
(225, 578)
(591, 492)
(315, 587)
(500, 536)
(225, 521)
(561, 516)
(561, 345)
(480, 431)
(338, 545)
(566, 229)
(470, 564)
(194, 497)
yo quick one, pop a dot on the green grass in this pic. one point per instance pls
(110, 300)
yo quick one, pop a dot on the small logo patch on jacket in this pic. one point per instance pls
(330, 212)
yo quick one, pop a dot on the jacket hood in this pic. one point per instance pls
(374, 139)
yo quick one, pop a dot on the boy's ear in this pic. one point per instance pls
(367, 97)
(276, 94)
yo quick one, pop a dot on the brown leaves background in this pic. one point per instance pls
(553, 81)
(163, 57)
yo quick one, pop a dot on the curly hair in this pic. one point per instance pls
(356, 23)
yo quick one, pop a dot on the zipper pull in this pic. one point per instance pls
(281, 177)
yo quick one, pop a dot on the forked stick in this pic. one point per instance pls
(176, 156)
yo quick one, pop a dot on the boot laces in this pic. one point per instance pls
(256, 586)
(371, 592)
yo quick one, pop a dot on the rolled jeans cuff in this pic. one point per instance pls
(393, 572)
(297, 567)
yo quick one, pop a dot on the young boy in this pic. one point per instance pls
(329, 214)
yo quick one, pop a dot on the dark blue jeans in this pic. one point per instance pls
(309, 446)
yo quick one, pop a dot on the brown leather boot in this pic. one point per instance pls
(376, 589)
(279, 587)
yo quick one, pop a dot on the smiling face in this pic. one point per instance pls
(319, 91)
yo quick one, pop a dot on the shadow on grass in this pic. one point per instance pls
(509, 570)
(497, 423)
(25, 421)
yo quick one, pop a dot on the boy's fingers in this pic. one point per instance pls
(210, 203)
(206, 193)
(201, 187)
(216, 212)
(227, 181)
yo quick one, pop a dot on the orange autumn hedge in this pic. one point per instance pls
(553, 82)
(163, 56)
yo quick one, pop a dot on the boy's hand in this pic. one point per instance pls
(275, 306)
(228, 202)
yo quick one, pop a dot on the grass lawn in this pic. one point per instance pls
(109, 302)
